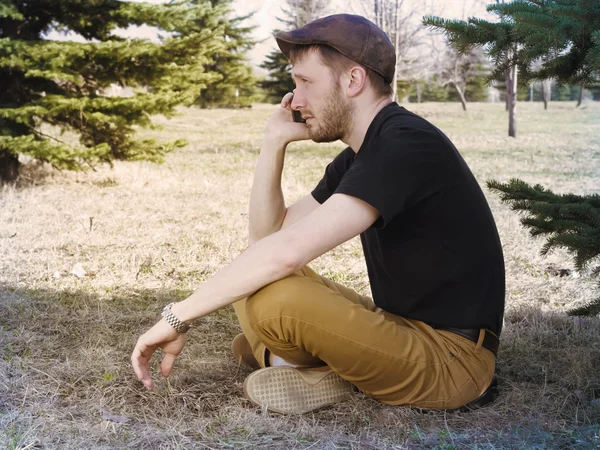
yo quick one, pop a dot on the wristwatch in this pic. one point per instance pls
(180, 327)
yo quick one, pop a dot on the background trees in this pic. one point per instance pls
(48, 87)
(538, 39)
(397, 19)
(279, 81)
(459, 69)
(238, 85)
(296, 14)
(557, 39)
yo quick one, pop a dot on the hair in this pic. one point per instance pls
(338, 63)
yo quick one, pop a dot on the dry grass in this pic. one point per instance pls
(149, 234)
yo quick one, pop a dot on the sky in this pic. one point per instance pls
(266, 12)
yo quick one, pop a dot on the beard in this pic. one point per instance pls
(335, 120)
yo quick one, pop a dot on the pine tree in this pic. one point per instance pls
(297, 13)
(279, 81)
(563, 34)
(571, 221)
(238, 86)
(60, 83)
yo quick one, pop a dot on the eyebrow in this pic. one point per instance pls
(298, 75)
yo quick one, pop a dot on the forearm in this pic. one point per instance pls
(267, 205)
(261, 264)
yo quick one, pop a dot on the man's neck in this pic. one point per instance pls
(362, 121)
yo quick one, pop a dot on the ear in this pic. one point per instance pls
(355, 81)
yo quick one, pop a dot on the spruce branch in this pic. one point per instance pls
(569, 221)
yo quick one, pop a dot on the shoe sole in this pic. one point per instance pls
(284, 390)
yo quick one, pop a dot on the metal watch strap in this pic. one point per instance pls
(180, 327)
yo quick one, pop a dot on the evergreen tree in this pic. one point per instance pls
(571, 221)
(477, 87)
(297, 13)
(563, 34)
(595, 90)
(279, 82)
(60, 83)
(238, 86)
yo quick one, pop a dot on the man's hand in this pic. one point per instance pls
(162, 335)
(281, 128)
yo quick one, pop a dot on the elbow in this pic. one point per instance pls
(291, 258)
(290, 264)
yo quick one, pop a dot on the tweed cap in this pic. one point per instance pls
(353, 36)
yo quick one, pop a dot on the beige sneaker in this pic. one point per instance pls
(242, 351)
(287, 390)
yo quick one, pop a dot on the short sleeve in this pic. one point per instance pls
(334, 172)
(395, 173)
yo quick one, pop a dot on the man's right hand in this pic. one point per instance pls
(281, 128)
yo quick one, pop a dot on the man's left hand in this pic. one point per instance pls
(162, 335)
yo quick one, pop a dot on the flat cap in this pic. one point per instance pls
(353, 36)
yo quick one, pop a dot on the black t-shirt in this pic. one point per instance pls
(434, 253)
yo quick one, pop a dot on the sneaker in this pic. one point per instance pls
(287, 390)
(243, 352)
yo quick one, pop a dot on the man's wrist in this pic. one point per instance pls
(274, 142)
(172, 319)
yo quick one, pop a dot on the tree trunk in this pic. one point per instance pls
(511, 93)
(9, 167)
(419, 91)
(461, 95)
(580, 96)
(546, 91)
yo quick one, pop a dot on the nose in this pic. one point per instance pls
(298, 101)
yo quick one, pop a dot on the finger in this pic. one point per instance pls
(286, 101)
(140, 366)
(167, 363)
(139, 361)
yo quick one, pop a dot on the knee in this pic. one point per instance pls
(275, 299)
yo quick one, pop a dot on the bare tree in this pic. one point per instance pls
(454, 68)
(300, 12)
(400, 20)
(458, 69)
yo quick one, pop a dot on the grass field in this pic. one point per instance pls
(149, 234)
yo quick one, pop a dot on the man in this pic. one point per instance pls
(432, 250)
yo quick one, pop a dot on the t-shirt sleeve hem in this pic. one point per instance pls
(382, 221)
(321, 197)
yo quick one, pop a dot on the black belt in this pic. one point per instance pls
(490, 341)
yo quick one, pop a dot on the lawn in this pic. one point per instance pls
(145, 235)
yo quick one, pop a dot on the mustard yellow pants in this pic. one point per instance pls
(309, 320)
